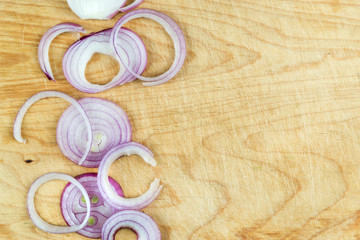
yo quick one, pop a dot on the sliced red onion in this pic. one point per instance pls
(46, 94)
(38, 221)
(73, 205)
(110, 127)
(142, 224)
(171, 28)
(43, 50)
(108, 192)
(96, 9)
(80, 53)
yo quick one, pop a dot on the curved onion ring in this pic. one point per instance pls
(73, 207)
(43, 50)
(110, 127)
(171, 28)
(45, 94)
(80, 53)
(142, 224)
(108, 192)
(38, 221)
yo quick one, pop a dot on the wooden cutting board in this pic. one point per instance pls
(257, 137)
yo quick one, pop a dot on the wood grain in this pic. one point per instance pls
(256, 138)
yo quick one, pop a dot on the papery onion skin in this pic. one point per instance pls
(38, 221)
(109, 195)
(171, 28)
(107, 119)
(142, 224)
(79, 54)
(43, 49)
(46, 94)
(73, 206)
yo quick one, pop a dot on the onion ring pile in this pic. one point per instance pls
(119, 42)
(93, 132)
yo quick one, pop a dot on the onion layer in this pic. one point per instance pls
(108, 192)
(38, 221)
(100, 9)
(46, 94)
(73, 204)
(43, 50)
(110, 127)
(80, 53)
(142, 224)
(171, 28)
(96, 9)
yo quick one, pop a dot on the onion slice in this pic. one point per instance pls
(108, 192)
(38, 221)
(171, 28)
(142, 224)
(110, 127)
(46, 94)
(73, 204)
(79, 54)
(43, 50)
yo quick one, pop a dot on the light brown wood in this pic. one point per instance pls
(256, 138)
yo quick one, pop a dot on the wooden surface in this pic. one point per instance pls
(256, 138)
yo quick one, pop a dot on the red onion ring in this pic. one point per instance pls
(38, 221)
(80, 53)
(110, 127)
(108, 192)
(43, 50)
(171, 28)
(142, 224)
(46, 94)
(73, 207)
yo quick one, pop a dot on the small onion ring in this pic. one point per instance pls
(108, 192)
(43, 50)
(142, 224)
(171, 28)
(73, 205)
(79, 54)
(38, 221)
(46, 94)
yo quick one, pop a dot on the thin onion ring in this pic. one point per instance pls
(38, 221)
(45, 94)
(43, 49)
(109, 194)
(171, 28)
(142, 224)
